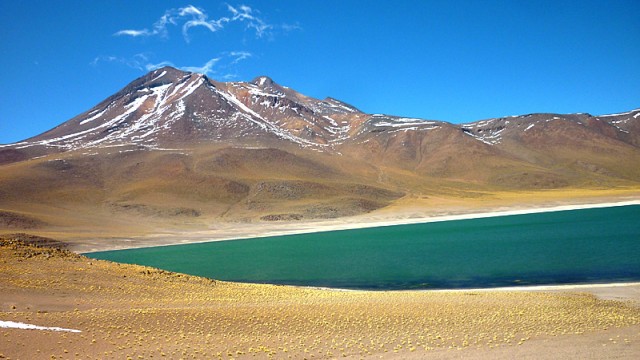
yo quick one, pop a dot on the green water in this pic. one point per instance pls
(577, 246)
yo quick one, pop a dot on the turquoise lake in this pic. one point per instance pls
(564, 247)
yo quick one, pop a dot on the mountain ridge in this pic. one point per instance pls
(261, 102)
(180, 147)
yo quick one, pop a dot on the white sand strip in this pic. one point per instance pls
(605, 291)
(346, 224)
(470, 216)
(585, 287)
(19, 325)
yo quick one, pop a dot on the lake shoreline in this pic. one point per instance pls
(334, 225)
(560, 283)
(607, 291)
(127, 310)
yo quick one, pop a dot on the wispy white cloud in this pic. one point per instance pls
(220, 66)
(191, 16)
(199, 18)
(290, 27)
(151, 67)
(137, 61)
(159, 27)
(229, 77)
(246, 14)
(239, 56)
(134, 33)
(214, 66)
(206, 69)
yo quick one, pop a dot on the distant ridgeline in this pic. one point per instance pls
(175, 146)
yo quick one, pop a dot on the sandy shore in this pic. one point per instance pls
(629, 291)
(615, 291)
(129, 311)
(236, 231)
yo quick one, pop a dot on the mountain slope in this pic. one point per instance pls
(180, 146)
(168, 107)
(577, 146)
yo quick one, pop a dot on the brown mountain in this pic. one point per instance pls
(178, 147)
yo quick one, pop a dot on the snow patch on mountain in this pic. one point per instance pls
(262, 122)
(159, 76)
(487, 131)
(98, 115)
(380, 120)
(623, 113)
(145, 114)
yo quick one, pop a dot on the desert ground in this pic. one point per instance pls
(126, 311)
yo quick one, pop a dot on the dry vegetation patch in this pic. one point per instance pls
(128, 311)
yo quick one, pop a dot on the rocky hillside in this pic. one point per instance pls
(178, 145)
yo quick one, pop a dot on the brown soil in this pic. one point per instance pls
(13, 220)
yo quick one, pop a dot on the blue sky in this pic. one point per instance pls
(457, 61)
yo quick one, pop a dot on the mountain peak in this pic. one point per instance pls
(165, 73)
(263, 81)
(169, 107)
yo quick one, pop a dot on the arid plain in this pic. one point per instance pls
(127, 311)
